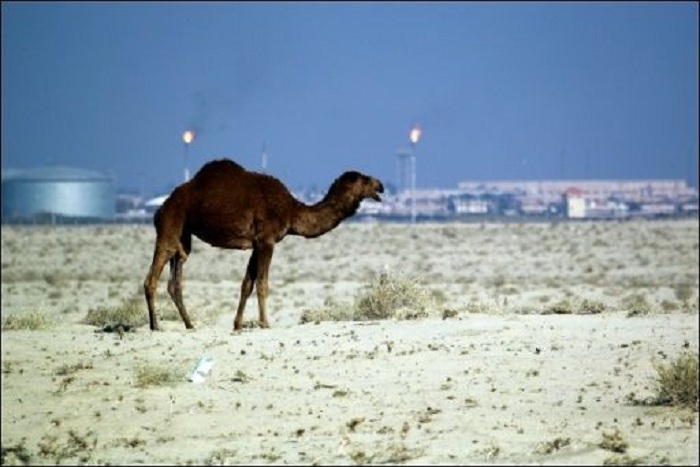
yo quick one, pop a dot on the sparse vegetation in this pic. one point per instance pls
(222, 456)
(685, 292)
(614, 441)
(392, 296)
(76, 446)
(562, 307)
(16, 454)
(625, 459)
(350, 386)
(331, 311)
(388, 297)
(553, 446)
(636, 304)
(155, 375)
(574, 305)
(66, 369)
(130, 312)
(589, 306)
(31, 321)
(677, 381)
(478, 306)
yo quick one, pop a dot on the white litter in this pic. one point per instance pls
(202, 369)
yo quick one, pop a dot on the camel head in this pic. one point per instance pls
(357, 186)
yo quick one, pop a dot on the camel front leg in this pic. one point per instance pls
(251, 274)
(264, 260)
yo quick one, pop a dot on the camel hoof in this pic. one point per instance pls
(235, 332)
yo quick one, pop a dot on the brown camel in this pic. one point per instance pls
(227, 206)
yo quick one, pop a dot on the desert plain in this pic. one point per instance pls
(511, 343)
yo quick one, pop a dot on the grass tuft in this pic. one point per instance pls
(636, 305)
(130, 312)
(31, 321)
(393, 297)
(388, 297)
(614, 441)
(677, 381)
(154, 375)
(562, 307)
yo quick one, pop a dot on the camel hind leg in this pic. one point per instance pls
(256, 276)
(175, 283)
(247, 285)
(264, 258)
(160, 257)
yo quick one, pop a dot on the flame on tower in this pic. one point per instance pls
(188, 136)
(415, 134)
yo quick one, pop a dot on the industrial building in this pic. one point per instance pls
(57, 193)
(552, 190)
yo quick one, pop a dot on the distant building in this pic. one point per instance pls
(552, 190)
(575, 203)
(467, 205)
(55, 192)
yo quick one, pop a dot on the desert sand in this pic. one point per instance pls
(538, 346)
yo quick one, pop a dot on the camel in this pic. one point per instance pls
(229, 207)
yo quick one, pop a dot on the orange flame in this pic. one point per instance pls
(188, 136)
(415, 134)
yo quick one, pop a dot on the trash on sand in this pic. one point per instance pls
(202, 369)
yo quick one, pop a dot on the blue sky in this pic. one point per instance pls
(501, 90)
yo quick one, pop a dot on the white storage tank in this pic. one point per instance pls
(57, 191)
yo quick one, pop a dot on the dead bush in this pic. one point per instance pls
(677, 381)
(388, 297)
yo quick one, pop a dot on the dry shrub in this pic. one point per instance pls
(478, 306)
(677, 381)
(56, 279)
(68, 369)
(568, 306)
(550, 447)
(592, 307)
(614, 441)
(626, 459)
(16, 454)
(222, 456)
(154, 375)
(32, 321)
(687, 295)
(130, 312)
(133, 312)
(669, 306)
(393, 297)
(636, 304)
(331, 311)
(388, 297)
(562, 307)
(685, 292)
(77, 447)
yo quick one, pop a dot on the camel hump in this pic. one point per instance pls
(219, 166)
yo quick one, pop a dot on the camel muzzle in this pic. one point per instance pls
(378, 189)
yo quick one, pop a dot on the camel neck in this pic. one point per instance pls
(315, 220)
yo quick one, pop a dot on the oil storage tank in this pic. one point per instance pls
(57, 191)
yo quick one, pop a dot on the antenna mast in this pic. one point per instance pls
(264, 157)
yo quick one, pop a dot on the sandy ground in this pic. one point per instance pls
(503, 380)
